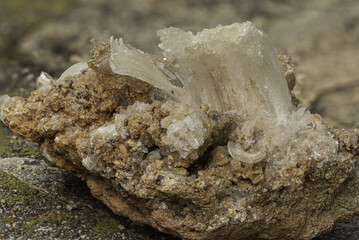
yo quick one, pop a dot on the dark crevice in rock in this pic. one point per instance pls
(200, 163)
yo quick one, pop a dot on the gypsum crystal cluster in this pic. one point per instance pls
(203, 143)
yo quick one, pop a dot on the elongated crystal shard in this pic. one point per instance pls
(230, 68)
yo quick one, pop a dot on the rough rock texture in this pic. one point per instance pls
(39, 202)
(184, 165)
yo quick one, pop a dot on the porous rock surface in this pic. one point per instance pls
(171, 157)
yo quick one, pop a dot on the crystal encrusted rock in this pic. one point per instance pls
(205, 142)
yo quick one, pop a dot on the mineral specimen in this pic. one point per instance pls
(203, 143)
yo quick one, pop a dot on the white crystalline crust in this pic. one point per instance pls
(185, 130)
(45, 83)
(125, 115)
(231, 67)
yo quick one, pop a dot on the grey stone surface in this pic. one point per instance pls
(40, 202)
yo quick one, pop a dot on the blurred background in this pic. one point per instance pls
(321, 36)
